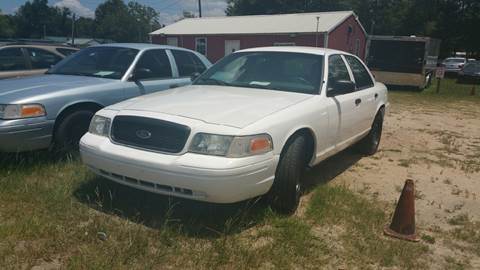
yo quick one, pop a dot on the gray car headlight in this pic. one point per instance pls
(231, 146)
(19, 111)
(100, 126)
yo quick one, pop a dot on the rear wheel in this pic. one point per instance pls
(286, 189)
(70, 129)
(369, 144)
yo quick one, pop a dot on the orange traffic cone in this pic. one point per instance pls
(403, 222)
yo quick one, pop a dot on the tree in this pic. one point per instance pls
(146, 19)
(125, 23)
(36, 18)
(7, 29)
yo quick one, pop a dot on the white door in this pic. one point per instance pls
(345, 103)
(231, 46)
(366, 91)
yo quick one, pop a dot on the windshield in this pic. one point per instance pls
(104, 62)
(283, 71)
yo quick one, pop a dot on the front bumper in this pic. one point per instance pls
(192, 176)
(25, 134)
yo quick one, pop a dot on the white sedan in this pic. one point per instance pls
(248, 126)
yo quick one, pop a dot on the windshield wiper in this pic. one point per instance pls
(215, 81)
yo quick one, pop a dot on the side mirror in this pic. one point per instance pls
(341, 88)
(194, 76)
(140, 73)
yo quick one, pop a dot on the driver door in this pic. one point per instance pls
(345, 117)
(153, 72)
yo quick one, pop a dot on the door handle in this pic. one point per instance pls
(358, 101)
(376, 95)
(173, 86)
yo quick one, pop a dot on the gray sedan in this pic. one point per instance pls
(55, 109)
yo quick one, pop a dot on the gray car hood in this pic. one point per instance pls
(24, 88)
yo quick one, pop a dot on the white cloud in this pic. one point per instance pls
(76, 7)
(210, 8)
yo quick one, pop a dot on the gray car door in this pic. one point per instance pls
(153, 72)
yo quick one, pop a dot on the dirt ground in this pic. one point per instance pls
(438, 146)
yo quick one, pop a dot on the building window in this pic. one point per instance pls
(172, 41)
(201, 45)
(284, 44)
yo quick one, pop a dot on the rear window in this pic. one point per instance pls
(187, 63)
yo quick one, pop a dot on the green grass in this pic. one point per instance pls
(52, 209)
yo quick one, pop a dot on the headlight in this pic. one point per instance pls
(100, 126)
(18, 111)
(231, 146)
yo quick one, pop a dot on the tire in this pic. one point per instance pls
(70, 129)
(369, 145)
(284, 196)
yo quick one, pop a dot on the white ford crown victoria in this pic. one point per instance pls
(248, 126)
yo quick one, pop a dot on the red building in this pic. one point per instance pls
(216, 37)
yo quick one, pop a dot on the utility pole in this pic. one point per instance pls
(73, 29)
(200, 8)
(316, 33)
(44, 31)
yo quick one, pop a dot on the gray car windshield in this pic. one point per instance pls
(282, 71)
(103, 62)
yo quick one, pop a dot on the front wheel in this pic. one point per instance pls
(70, 129)
(369, 144)
(286, 189)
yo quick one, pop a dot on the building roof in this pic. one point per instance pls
(257, 24)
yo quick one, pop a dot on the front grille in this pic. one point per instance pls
(149, 133)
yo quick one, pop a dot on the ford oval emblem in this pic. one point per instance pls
(143, 134)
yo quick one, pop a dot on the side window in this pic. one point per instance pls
(187, 63)
(362, 78)
(12, 59)
(337, 71)
(154, 64)
(41, 59)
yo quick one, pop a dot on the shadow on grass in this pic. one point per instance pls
(193, 218)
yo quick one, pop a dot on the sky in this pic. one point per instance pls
(170, 10)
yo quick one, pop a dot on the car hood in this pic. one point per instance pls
(230, 106)
(14, 89)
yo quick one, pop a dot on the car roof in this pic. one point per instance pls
(296, 49)
(43, 46)
(139, 46)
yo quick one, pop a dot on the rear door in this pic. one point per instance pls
(366, 95)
